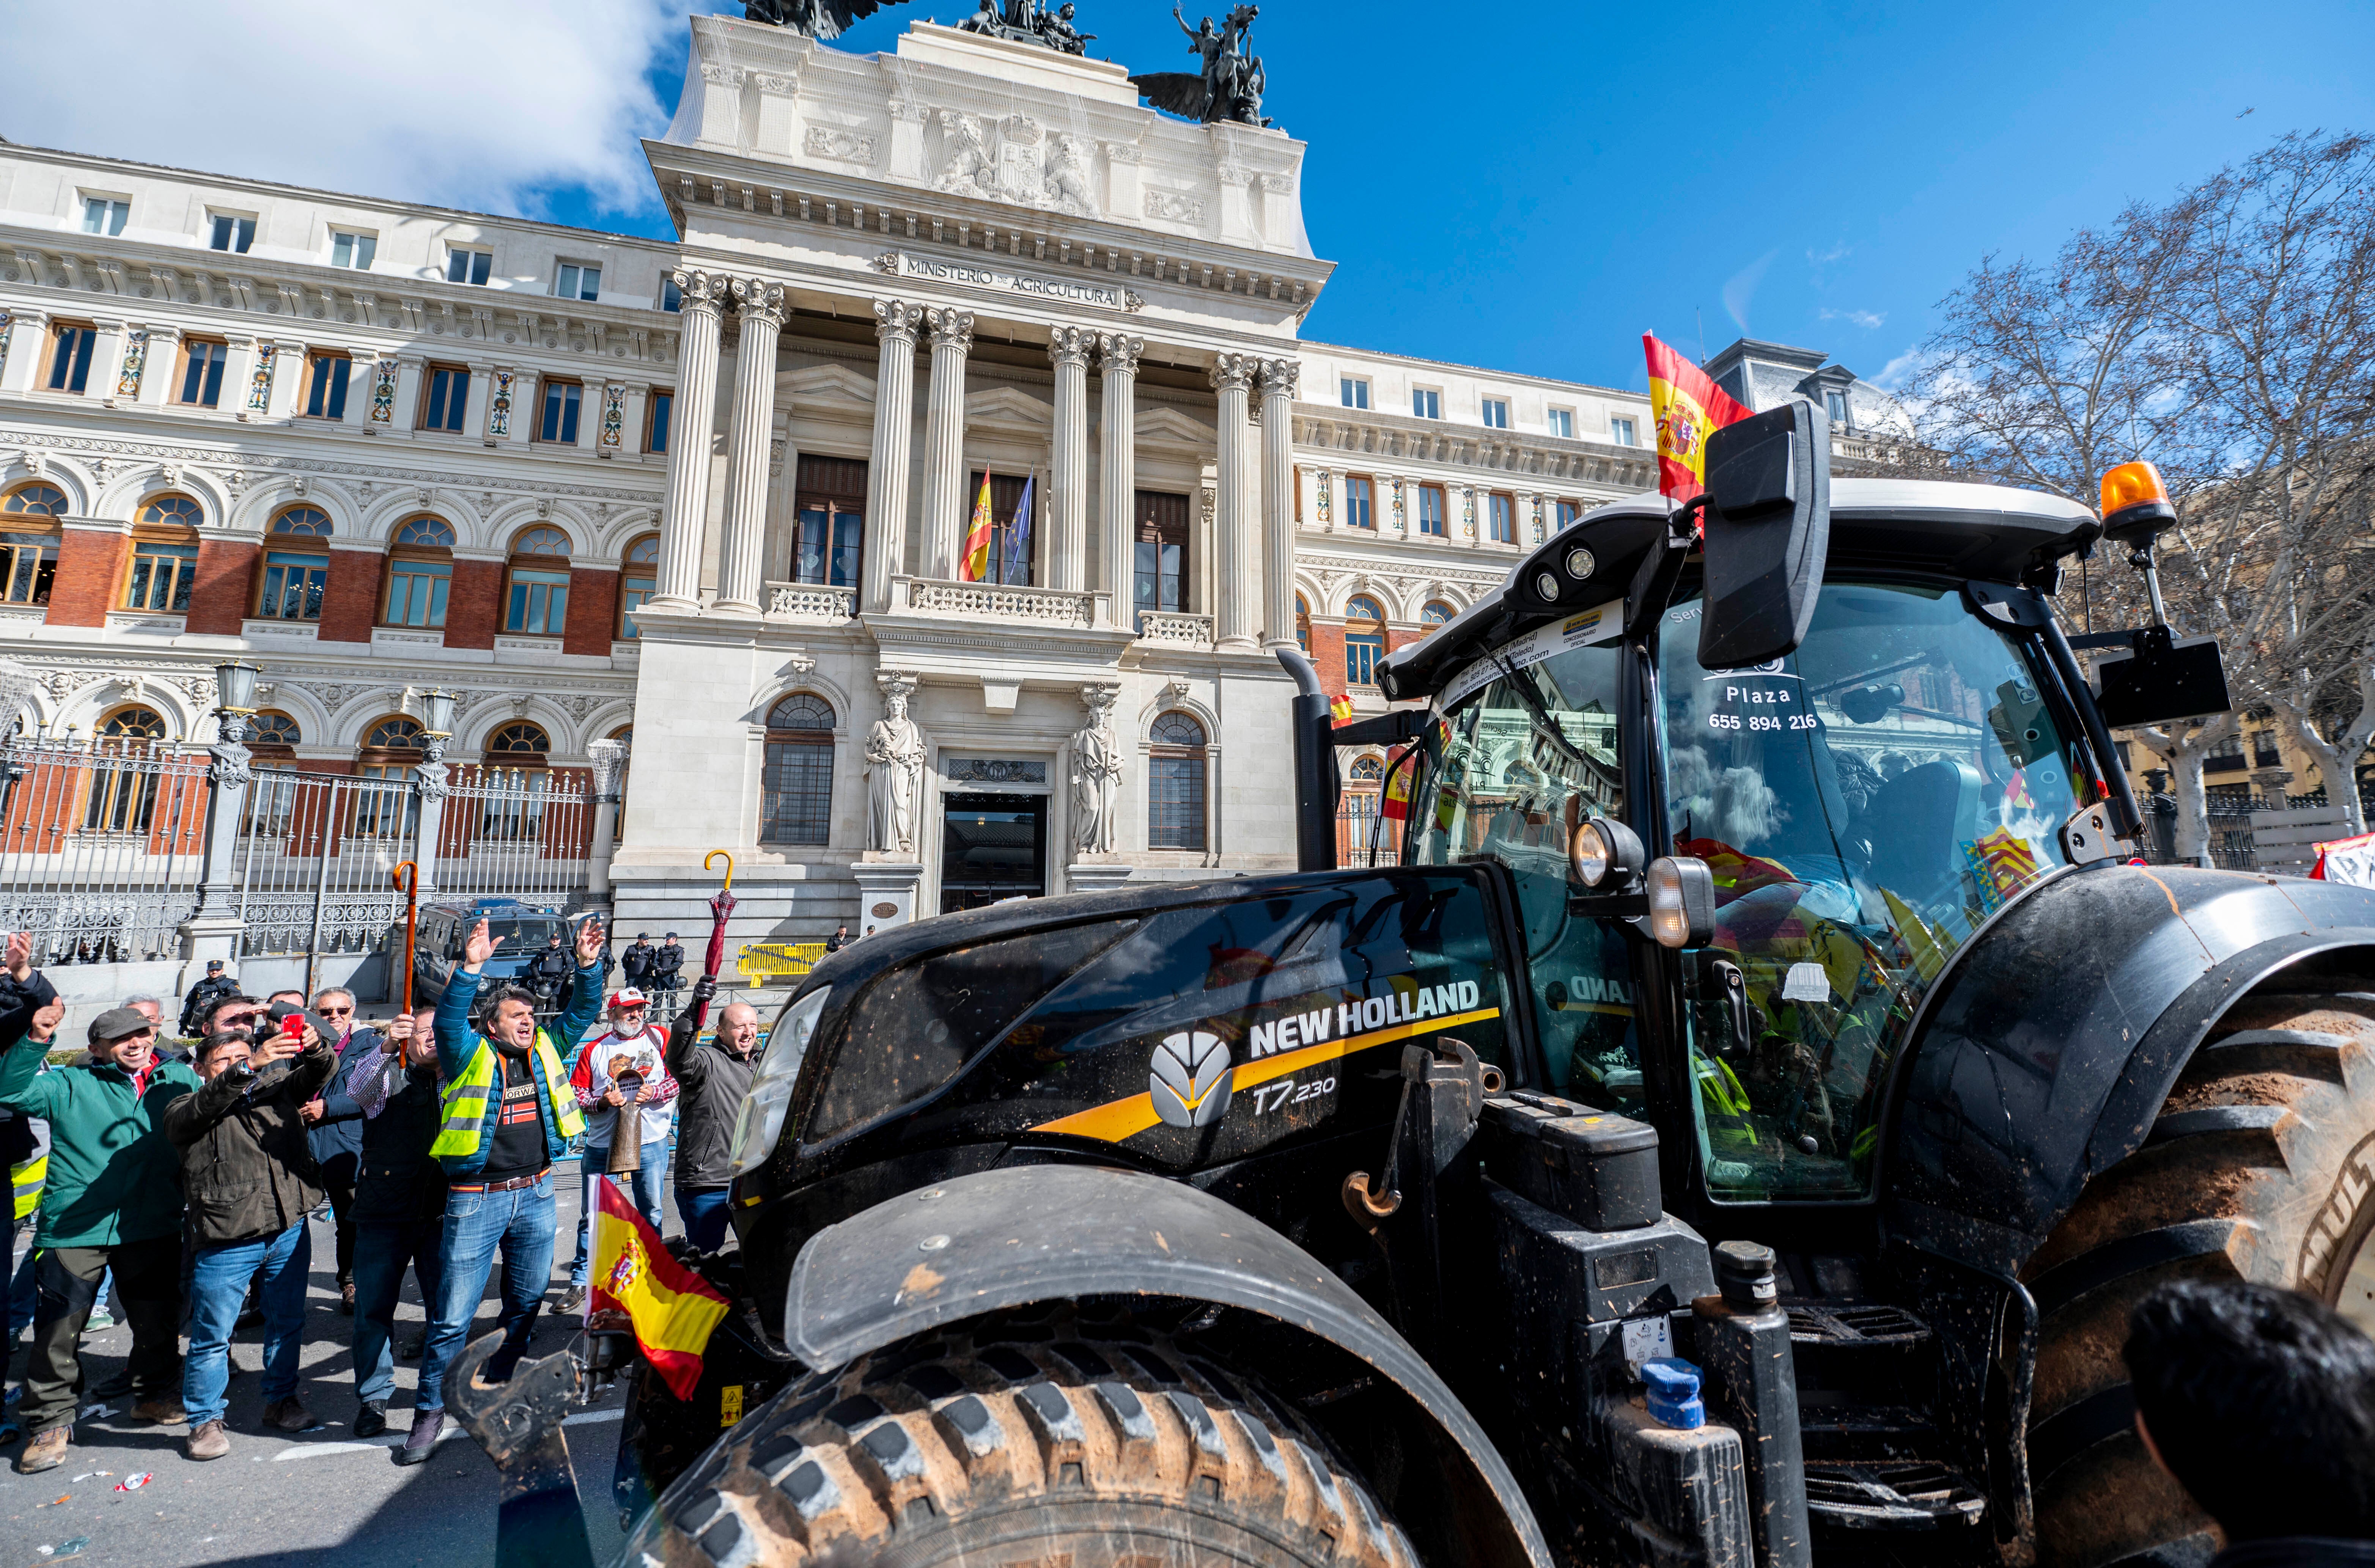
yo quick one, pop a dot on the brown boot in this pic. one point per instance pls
(209, 1441)
(165, 1409)
(43, 1451)
(289, 1415)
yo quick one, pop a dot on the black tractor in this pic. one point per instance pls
(1726, 1119)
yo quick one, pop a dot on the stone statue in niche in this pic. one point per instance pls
(1227, 87)
(894, 773)
(1097, 773)
(813, 18)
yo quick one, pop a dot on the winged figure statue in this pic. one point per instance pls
(814, 18)
(1229, 85)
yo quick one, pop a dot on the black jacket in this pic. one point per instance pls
(667, 961)
(637, 961)
(339, 1133)
(246, 1170)
(203, 992)
(552, 966)
(399, 1180)
(713, 1082)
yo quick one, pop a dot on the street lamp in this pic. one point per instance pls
(235, 698)
(436, 722)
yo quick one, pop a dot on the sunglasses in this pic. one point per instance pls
(335, 1012)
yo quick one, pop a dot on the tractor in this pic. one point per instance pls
(1726, 1121)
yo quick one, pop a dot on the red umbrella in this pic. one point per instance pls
(721, 910)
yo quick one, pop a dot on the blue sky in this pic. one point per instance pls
(1529, 188)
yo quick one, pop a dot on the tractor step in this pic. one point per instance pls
(1854, 1325)
(1893, 1496)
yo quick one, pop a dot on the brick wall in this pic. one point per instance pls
(224, 594)
(350, 602)
(474, 605)
(90, 571)
(593, 611)
(1328, 655)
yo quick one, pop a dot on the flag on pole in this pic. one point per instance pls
(974, 568)
(673, 1309)
(1687, 407)
(1018, 540)
(1339, 707)
(1395, 807)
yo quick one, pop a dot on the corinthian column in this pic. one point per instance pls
(761, 305)
(1118, 357)
(894, 422)
(1068, 477)
(1278, 378)
(1238, 610)
(687, 512)
(944, 473)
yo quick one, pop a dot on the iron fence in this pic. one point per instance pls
(314, 859)
(1364, 837)
(513, 832)
(102, 844)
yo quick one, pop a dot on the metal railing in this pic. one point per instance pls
(312, 860)
(512, 832)
(1363, 836)
(102, 844)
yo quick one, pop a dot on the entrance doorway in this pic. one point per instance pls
(992, 847)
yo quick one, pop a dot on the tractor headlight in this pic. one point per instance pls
(1601, 848)
(760, 1121)
(1682, 901)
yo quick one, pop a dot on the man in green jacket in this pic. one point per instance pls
(114, 1200)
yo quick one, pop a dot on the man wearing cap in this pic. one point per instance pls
(635, 963)
(626, 1062)
(202, 996)
(664, 965)
(113, 1200)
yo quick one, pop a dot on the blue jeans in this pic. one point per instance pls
(520, 1222)
(644, 1184)
(381, 1254)
(219, 1277)
(705, 1211)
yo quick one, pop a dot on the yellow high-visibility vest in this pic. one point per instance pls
(468, 1100)
(26, 1182)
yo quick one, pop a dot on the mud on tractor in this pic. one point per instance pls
(1730, 1126)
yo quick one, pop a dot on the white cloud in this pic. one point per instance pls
(1866, 319)
(468, 104)
(1834, 253)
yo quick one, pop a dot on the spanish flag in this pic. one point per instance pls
(1686, 407)
(672, 1308)
(1395, 807)
(976, 567)
(1339, 707)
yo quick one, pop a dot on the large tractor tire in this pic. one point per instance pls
(1001, 1455)
(2260, 1166)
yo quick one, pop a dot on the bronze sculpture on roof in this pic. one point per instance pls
(1228, 87)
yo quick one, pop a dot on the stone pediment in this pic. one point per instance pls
(1160, 426)
(826, 384)
(1008, 407)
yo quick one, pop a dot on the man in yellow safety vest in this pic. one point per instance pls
(506, 1114)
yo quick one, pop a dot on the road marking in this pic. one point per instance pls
(592, 1416)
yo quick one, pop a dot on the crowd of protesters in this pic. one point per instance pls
(177, 1177)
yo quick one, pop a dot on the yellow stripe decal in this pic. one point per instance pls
(1126, 1118)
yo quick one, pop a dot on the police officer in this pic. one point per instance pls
(548, 971)
(636, 962)
(204, 995)
(665, 964)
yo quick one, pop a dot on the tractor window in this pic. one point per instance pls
(1505, 775)
(1865, 804)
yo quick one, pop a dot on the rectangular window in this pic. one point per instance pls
(632, 591)
(1496, 412)
(559, 422)
(1501, 519)
(1355, 392)
(1566, 512)
(1014, 539)
(292, 586)
(1621, 432)
(572, 280)
(539, 602)
(28, 563)
(465, 265)
(1363, 651)
(161, 574)
(1836, 405)
(326, 386)
(1159, 553)
(655, 427)
(1561, 423)
(829, 521)
(102, 216)
(449, 393)
(1360, 502)
(202, 371)
(671, 297)
(416, 592)
(1432, 510)
(1174, 790)
(354, 251)
(1427, 404)
(796, 786)
(229, 233)
(70, 359)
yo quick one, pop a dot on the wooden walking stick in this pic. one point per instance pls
(407, 877)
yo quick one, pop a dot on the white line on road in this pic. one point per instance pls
(592, 1416)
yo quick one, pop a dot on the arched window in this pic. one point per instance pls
(1435, 613)
(273, 736)
(513, 783)
(638, 578)
(795, 799)
(1364, 640)
(536, 587)
(164, 559)
(178, 510)
(1174, 784)
(515, 744)
(295, 578)
(1303, 625)
(392, 748)
(419, 572)
(1368, 773)
(124, 795)
(273, 731)
(28, 542)
(394, 733)
(133, 723)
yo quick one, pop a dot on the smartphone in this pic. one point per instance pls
(292, 1028)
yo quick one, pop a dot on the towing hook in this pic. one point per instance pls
(1369, 1206)
(510, 1418)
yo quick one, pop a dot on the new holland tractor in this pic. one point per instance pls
(1728, 1122)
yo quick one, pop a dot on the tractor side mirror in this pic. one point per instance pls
(2161, 680)
(1768, 533)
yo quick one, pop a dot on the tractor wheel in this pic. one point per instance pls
(997, 1454)
(2260, 1166)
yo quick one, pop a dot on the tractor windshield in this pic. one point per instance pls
(1865, 804)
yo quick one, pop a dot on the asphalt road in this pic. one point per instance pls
(294, 1502)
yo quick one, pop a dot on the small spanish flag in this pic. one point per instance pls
(1339, 707)
(1396, 805)
(673, 1309)
(1687, 407)
(976, 567)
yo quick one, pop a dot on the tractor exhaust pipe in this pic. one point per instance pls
(1316, 784)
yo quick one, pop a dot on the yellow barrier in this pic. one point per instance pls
(768, 963)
